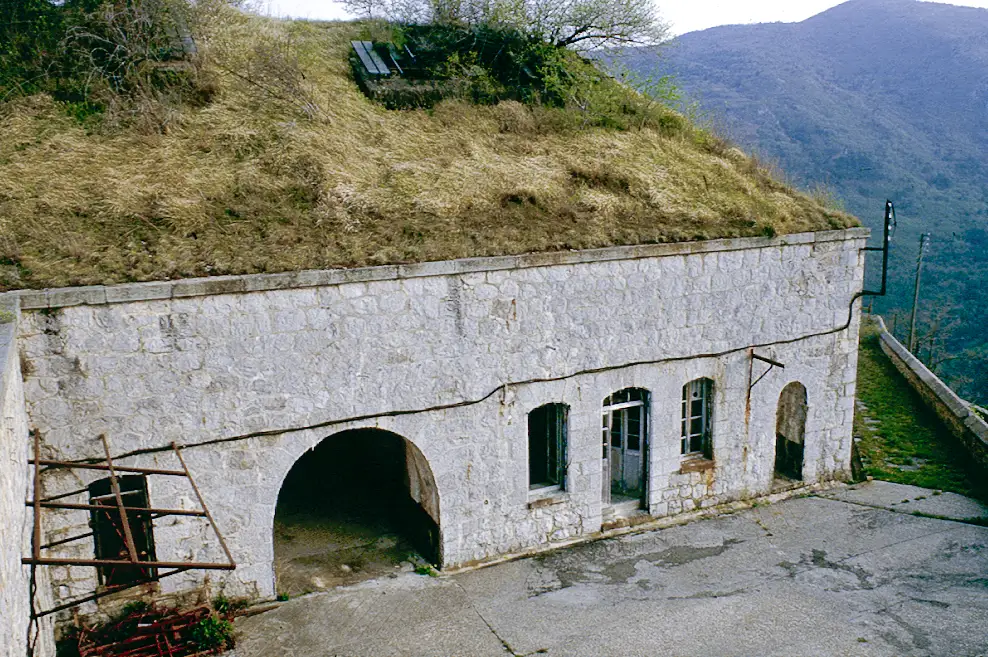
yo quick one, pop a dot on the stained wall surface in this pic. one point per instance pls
(452, 356)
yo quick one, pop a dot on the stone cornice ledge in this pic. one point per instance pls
(94, 295)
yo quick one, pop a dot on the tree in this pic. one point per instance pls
(579, 24)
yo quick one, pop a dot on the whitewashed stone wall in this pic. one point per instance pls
(464, 350)
(17, 636)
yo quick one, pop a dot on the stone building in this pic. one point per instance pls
(510, 404)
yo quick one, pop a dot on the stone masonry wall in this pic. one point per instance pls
(16, 637)
(452, 356)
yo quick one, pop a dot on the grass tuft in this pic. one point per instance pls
(425, 569)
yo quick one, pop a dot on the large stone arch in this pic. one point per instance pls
(363, 475)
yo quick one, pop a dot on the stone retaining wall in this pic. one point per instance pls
(251, 372)
(15, 518)
(956, 414)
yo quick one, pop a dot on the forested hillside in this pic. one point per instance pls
(872, 99)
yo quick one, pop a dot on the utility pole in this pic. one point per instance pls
(923, 241)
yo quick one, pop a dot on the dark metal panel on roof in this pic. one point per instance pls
(370, 59)
(381, 66)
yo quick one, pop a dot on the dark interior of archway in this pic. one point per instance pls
(790, 427)
(344, 515)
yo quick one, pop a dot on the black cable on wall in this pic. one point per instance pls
(500, 388)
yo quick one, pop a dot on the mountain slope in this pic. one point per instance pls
(873, 99)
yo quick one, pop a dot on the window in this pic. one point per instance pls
(624, 418)
(547, 446)
(697, 403)
(108, 529)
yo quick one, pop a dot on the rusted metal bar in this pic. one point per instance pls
(103, 507)
(123, 493)
(104, 593)
(36, 547)
(56, 561)
(764, 374)
(115, 485)
(771, 365)
(99, 466)
(767, 360)
(64, 495)
(202, 503)
(63, 541)
(747, 402)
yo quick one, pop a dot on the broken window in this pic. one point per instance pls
(547, 446)
(697, 405)
(109, 534)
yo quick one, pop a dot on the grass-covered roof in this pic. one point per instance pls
(278, 162)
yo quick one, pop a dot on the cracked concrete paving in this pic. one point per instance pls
(848, 574)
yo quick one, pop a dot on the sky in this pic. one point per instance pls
(683, 15)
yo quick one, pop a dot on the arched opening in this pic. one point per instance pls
(790, 430)
(362, 504)
(625, 450)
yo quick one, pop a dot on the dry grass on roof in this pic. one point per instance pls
(254, 182)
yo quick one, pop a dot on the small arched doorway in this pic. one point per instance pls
(361, 504)
(790, 431)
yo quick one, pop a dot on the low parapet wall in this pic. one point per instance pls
(955, 413)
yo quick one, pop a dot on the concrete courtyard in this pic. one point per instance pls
(849, 572)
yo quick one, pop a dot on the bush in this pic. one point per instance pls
(100, 57)
(135, 608)
(488, 64)
(213, 633)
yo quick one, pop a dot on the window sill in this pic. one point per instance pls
(696, 464)
(547, 496)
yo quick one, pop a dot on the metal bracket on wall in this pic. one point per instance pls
(890, 226)
(133, 556)
(751, 367)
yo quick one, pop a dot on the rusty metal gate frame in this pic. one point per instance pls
(171, 567)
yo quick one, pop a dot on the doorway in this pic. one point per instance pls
(790, 431)
(361, 505)
(625, 447)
